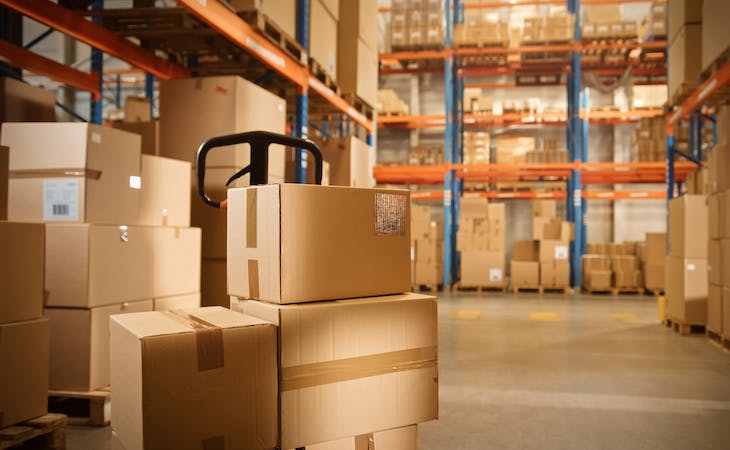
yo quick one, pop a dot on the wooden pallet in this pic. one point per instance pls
(654, 292)
(323, 76)
(416, 48)
(683, 328)
(479, 289)
(607, 291)
(426, 288)
(82, 408)
(628, 291)
(550, 289)
(359, 104)
(718, 339)
(273, 32)
(517, 289)
(42, 433)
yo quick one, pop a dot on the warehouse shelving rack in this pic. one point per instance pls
(212, 18)
(578, 174)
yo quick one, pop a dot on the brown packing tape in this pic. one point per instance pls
(316, 374)
(214, 443)
(91, 174)
(251, 219)
(253, 279)
(208, 339)
(364, 442)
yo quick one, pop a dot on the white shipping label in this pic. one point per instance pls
(561, 252)
(61, 199)
(691, 267)
(495, 274)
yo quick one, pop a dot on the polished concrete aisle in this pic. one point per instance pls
(554, 372)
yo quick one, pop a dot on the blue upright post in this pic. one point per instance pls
(149, 92)
(450, 154)
(576, 150)
(97, 66)
(300, 128)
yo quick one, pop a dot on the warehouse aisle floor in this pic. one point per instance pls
(553, 372)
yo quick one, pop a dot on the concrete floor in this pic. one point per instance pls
(552, 372)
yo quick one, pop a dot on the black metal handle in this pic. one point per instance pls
(259, 166)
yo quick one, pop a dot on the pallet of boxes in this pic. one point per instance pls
(427, 249)
(718, 214)
(117, 240)
(613, 268)
(481, 242)
(553, 237)
(416, 24)
(597, 275)
(323, 349)
(652, 262)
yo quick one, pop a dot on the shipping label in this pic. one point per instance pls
(61, 199)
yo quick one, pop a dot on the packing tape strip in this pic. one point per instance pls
(251, 219)
(92, 174)
(315, 374)
(214, 443)
(208, 339)
(253, 279)
(365, 442)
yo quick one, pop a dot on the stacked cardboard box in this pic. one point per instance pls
(513, 150)
(390, 104)
(654, 27)
(21, 102)
(652, 261)
(138, 120)
(323, 36)
(24, 331)
(476, 102)
(652, 96)
(117, 235)
(476, 147)
(481, 239)
(357, 49)
(476, 33)
(627, 272)
(685, 271)
(685, 47)
(281, 12)
(715, 32)
(350, 162)
(427, 155)
(597, 274)
(195, 110)
(557, 28)
(525, 265)
(651, 139)
(417, 24)
(427, 254)
(4, 162)
(549, 153)
(553, 237)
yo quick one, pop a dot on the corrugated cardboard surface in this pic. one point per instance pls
(101, 159)
(4, 160)
(473, 207)
(193, 110)
(715, 32)
(185, 301)
(405, 438)
(294, 243)
(725, 262)
(544, 208)
(685, 57)
(688, 229)
(726, 312)
(686, 289)
(656, 248)
(714, 261)
(683, 12)
(21, 102)
(714, 308)
(149, 133)
(97, 265)
(350, 162)
(282, 12)
(481, 268)
(24, 374)
(359, 19)
(555, 274)
(554, 250)
(357, 68)
(80, 344)
(334, 378)
(654, 276)
(165, 194)
(21, 271)
(205, 378)
(525, 273)
(323, 37)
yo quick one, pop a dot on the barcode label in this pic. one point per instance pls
(61, 199)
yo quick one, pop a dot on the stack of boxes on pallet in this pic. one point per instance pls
(553, 238)
(416, 24)
(553, 29)
(390, 104)
(718, 252)
(654, 27)
(323, 18)
(426, 155)
(652, 262)
(549, 153)
(476, 102)
(685, 270)
(651, 139)
(357, 49)
(612, 266)
(324, 347)
(606, 22)
(427, 251)
(476, 147)
(117, 235)
(481, 30)
(481, 241)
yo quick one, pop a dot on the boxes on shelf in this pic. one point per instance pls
(651, 140)
(21, 271)
(220, 357)
(263, 220)
(350, 161)
(683, 12)
(685, 61)
(389, 103)
(323, 39)
(651, 96)
(281, 12)
(417, 25)
(340, 404)
(489, 34)
(715, 33)
(554, 29)
(357, 68)
(427, 238)
(426, 155)
(654, 27)
(68, 172)
(21, 102)
(525, 264)
(513, 149)
(476, 147)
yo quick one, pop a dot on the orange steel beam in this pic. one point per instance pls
(717, 81)
(515, 3)
(624, 195)
(339, 103)
(416, 54)
(18, 56)
(76, 26)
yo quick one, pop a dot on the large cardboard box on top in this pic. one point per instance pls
(97, 265)
(4, 164)
(292, 243)
(350, 160)
(21, 102)
(24, 374)
(685, 57)
(352, 367)
(480, 268)
(193, 110)
(282, 12)
(191, 379)
(688, 226)
(323, 37)
(404, 438)
(21, 271)
(72, 172)
(80, 344)
(359, 19)
(686, 289)
(357, 67)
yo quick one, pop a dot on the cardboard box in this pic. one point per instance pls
(686, 289)
(72, 172)
(185, 301)
(405, 438)
(428, 273)
(359, 19)
(598, 280)
(596, 262)
(80, 344)
(715, 33)
(483, 269)
(654, 277)
(24, 374)
(526, 251)
(715, 261)
(554, 250)
(656, 248)
(544, 208)
(538, 226)
(97, 265)
(137, 109)
(213, 287)
(389, 343)
(683, 12)
(688, 225)
(714, 227)
(624, 263)
(555, 274)
(525, 274)
(685, 57)
(725, 261)
(165, 194)
(351, 162)
(628, 279)
(4, 164)
(149, 133)
(357, 244)
(193, 110)
(21, 102)
(21, 271)
(357, 68)
(429, 250)
(323, 37)
(726, 312)
(725, 214)
(282, 12)
(198, 378)
(472, 207)
(714, 308)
